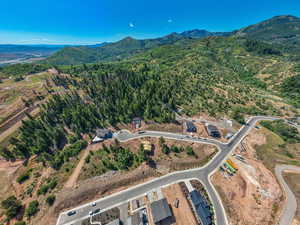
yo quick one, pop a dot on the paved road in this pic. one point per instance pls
(293, 124)
(290, 206)
(203, 174)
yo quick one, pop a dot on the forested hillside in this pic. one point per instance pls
(123, 48)
(217, 76)
(284, 30)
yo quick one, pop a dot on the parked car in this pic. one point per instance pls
(71, 213)
(93, 204)
(96, 211)
(91, 213)
(141, 132)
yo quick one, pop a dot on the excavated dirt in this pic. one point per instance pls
(252, 196)
(183, 214)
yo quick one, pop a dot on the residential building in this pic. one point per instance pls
(101, 135)
(201, 208)
(160, 211)
(212, 130)
(190, 127)
(136, 122)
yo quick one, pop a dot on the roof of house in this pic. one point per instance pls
(160, 210)
(114, 222)
(137, 119)
(201, 207)
(190, 125)
(102, 132)
(97, 139)
(211, 127)
(135, 219)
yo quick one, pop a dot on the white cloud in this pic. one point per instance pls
(170, 20)
(131, 24)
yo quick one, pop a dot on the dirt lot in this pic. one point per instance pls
(252, 196)
(183, 214)
(293, 180)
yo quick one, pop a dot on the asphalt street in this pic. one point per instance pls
(203, 174)
(290, 206)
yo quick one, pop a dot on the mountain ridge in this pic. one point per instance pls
(124, 47)
(283, 30)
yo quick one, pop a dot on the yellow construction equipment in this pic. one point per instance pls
(229, 161)
(147, 145)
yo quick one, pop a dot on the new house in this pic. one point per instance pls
(101, 135)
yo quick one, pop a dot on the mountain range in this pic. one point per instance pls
(123, 48)
(283, 31)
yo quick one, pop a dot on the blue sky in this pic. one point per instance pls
(96, 21)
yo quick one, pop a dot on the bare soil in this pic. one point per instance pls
(183, 215)
(252, 196)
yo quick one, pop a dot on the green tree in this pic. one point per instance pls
(12, 207)
(32, 208)
(165, 149)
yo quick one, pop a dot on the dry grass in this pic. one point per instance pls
(293, 181)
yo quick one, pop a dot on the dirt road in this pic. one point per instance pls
(74, 176)
(290, 207)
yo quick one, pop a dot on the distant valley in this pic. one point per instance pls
(11, 54)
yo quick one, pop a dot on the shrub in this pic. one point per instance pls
(23, 177)
(46, 187)
(50, 200)
(190, 151)
(87, 159)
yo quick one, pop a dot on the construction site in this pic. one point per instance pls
(243, 180)
(176, 204)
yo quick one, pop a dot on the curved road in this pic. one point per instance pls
(290, 206)
(203, 173)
